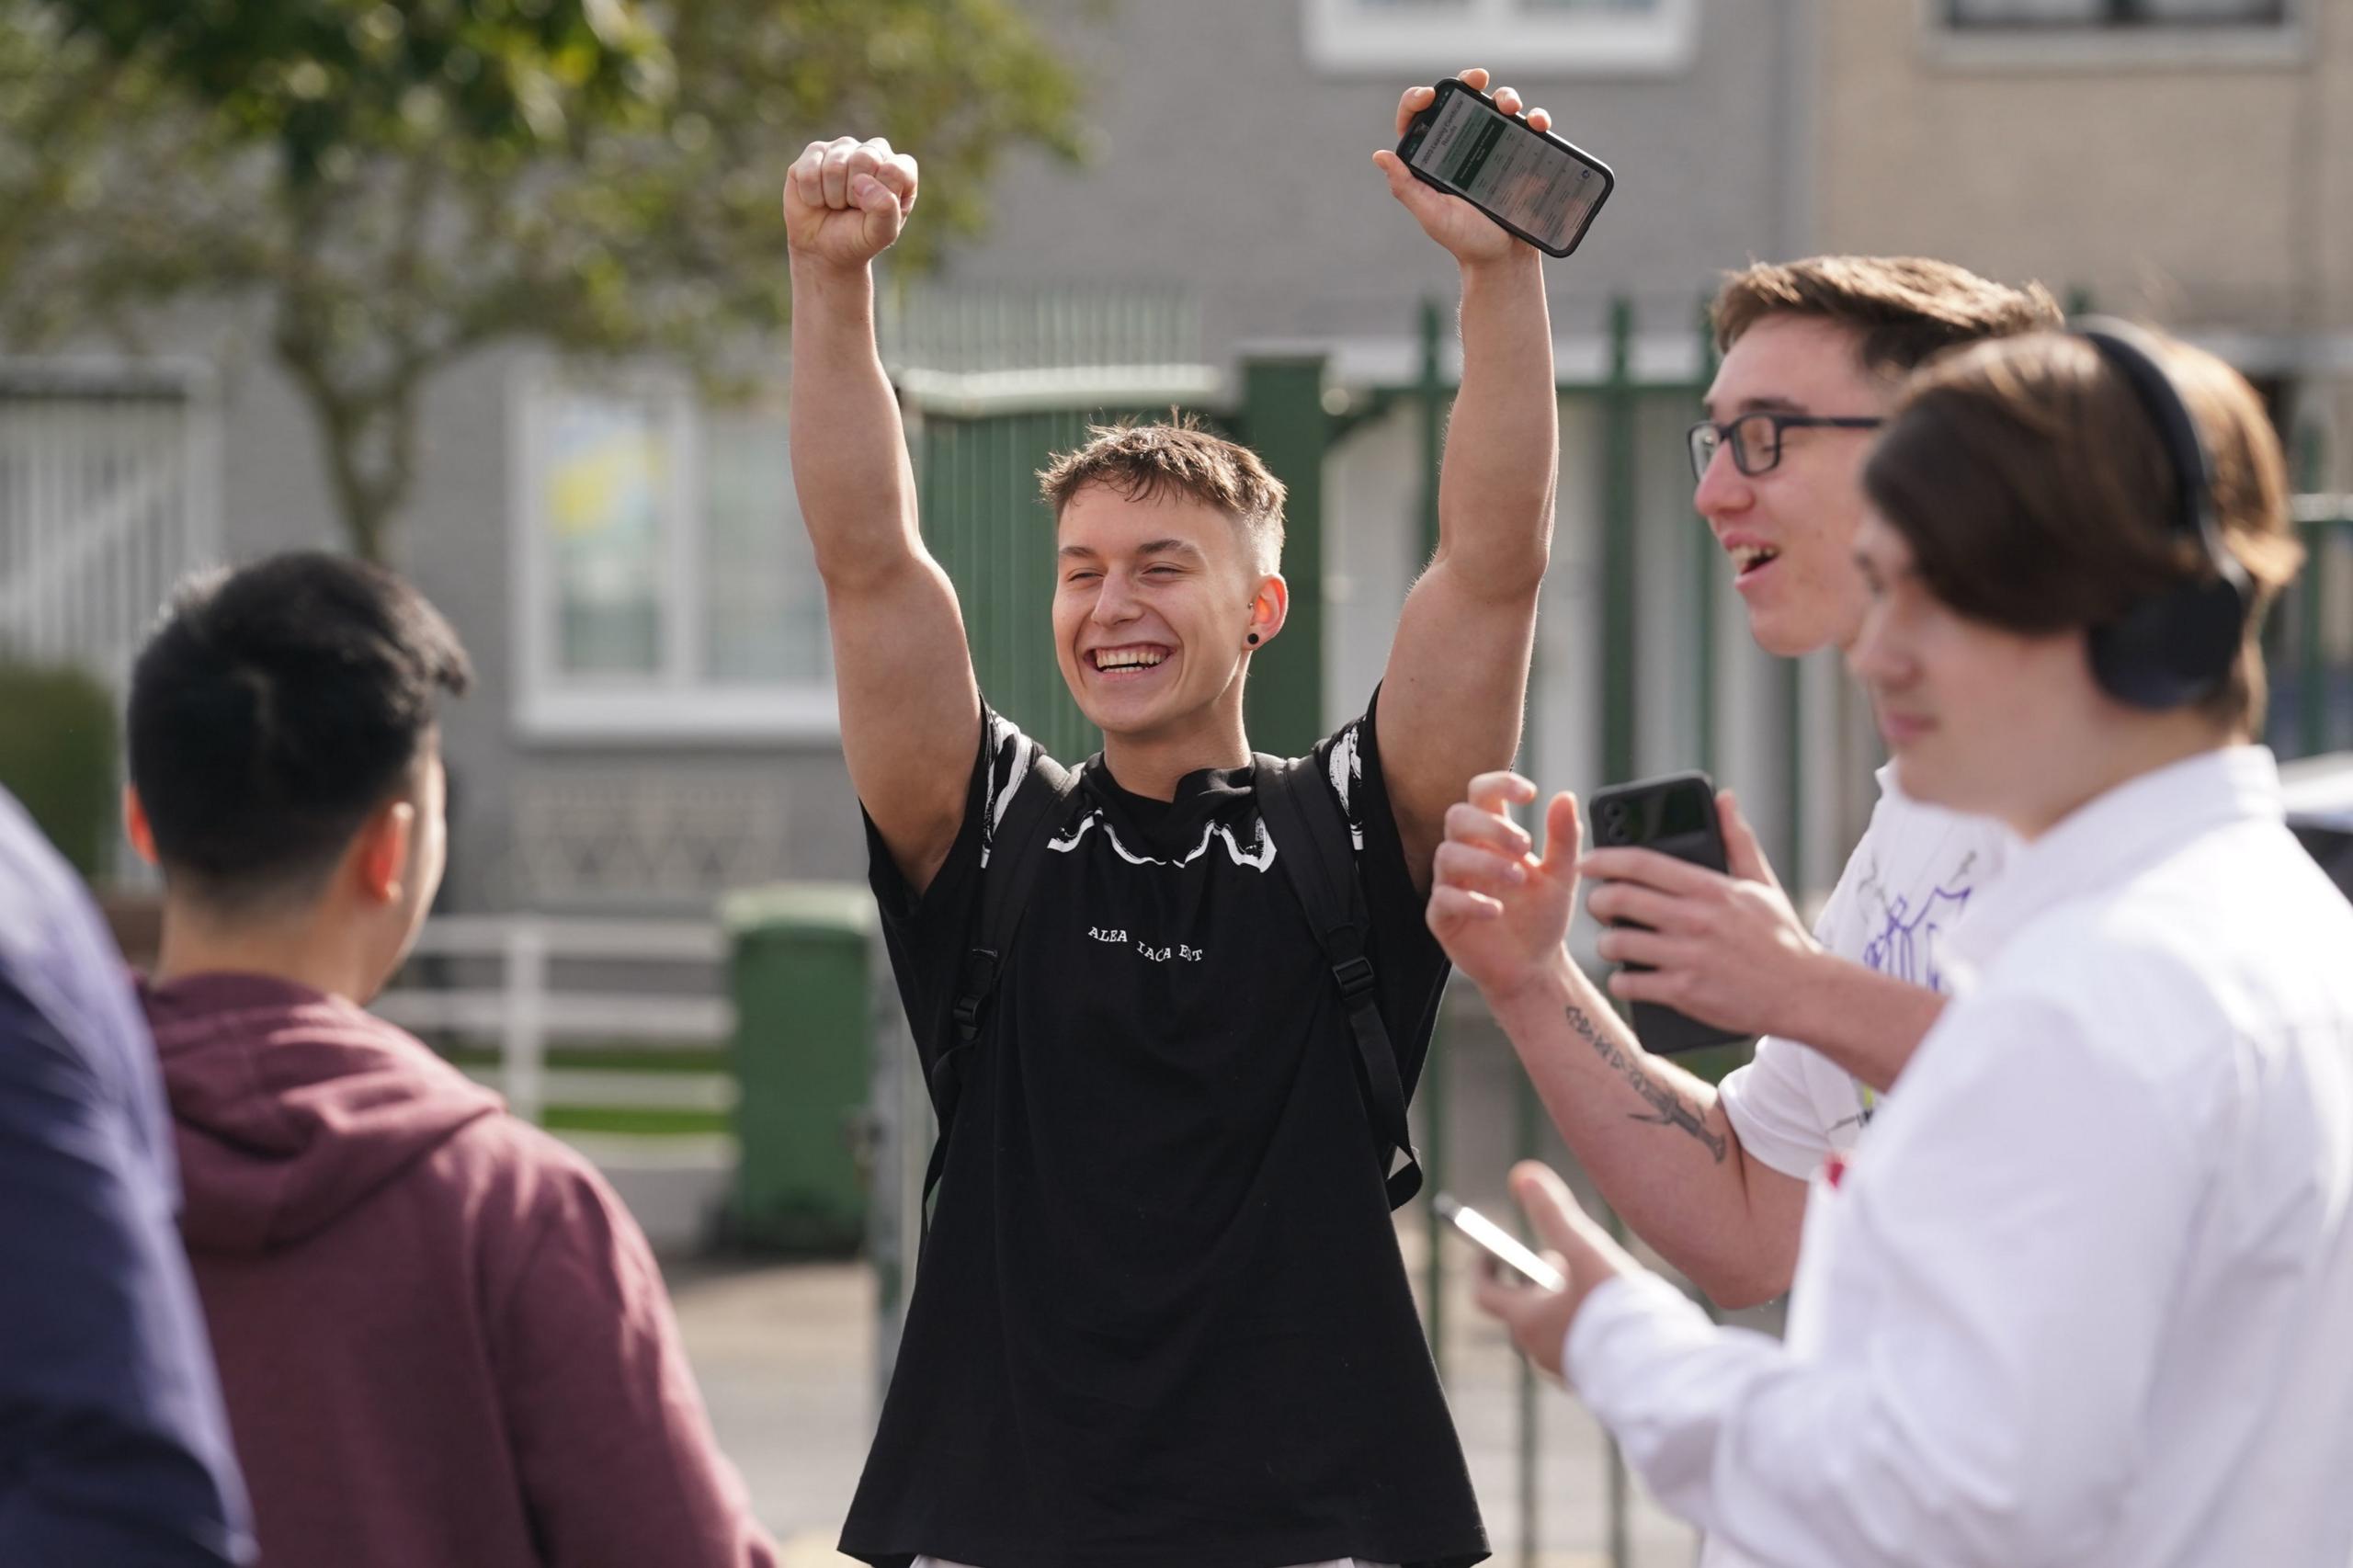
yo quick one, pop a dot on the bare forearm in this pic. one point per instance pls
(1457, 681)
(1502, 444)
(850, 466)
(910, 710)
(1653, 1138)
(1866, 1022)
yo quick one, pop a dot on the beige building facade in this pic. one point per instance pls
(2185, 162)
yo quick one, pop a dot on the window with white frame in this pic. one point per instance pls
(1562, 37)
(2114, 14)
(666, 587)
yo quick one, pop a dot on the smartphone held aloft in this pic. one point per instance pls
(1531, 182)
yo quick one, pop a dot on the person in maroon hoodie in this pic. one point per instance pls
(441, 1338)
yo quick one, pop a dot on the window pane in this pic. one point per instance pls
(602, 494)
(2114, 13)
(764, 609)
(2005, 13)
(2212, 10)
(1583, 37)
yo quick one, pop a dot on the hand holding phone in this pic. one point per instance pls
(1529, 182)
(1497, 1243)
(1674, 815)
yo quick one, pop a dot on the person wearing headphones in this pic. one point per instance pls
(2083, 1295)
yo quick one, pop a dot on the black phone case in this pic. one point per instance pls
(1663, 1030)
(1422, 122)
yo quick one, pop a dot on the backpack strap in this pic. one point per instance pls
(1312, 845)
(1016, 849)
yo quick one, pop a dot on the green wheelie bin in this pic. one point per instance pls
(808, 974)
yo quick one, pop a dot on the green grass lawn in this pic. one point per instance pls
(648, 1122)
(618, 1059)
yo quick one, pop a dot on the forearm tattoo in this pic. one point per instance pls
(1668, 1109)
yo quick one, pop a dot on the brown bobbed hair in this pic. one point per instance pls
(1902, 310)
(1177, 457)
(2033, 489)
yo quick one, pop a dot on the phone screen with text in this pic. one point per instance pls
(1508, 169)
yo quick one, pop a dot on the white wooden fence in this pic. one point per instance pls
(522, 1012)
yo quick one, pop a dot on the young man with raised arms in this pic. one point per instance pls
(1814, 355)
(1161, 1320)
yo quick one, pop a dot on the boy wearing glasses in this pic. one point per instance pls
(1813, 353)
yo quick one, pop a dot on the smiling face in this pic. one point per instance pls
(1789, 531)
(1978, 719)
(1154, 601)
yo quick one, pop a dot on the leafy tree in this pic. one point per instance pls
(417, 226)
(317, 74)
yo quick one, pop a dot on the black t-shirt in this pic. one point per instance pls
(1161, 1320)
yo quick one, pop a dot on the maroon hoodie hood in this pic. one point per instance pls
(292, 1106)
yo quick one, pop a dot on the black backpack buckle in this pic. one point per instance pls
(980, 979)
(1355, 976)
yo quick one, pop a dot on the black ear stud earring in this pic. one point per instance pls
(1252, 639)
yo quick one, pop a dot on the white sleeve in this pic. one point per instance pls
(1773, 1110)
(1994, 1283)
(1771, 1102)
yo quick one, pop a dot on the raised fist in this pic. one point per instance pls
(846, 200)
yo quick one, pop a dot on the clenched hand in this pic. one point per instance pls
(846, 200)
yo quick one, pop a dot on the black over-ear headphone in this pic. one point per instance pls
(2175, 647)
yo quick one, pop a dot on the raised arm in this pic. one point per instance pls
(1655, 1139)
(1458, 669)
(910, 708)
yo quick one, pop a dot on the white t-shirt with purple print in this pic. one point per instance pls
(1906, 883)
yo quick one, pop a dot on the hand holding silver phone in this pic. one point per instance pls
(1497, 1243)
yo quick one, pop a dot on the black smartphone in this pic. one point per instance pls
(1497, 1243)
(1675, 815)
(1530, 181)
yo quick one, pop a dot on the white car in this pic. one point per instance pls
(2318, 792)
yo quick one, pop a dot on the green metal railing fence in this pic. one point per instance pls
(2312, 635)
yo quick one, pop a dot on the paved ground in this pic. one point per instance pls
(785, 1357)
(785, 1354)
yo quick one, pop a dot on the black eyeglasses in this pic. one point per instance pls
(1756, 438)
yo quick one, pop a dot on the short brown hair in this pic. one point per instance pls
(2036, 495)
(1904, 309)
(1146, 462)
